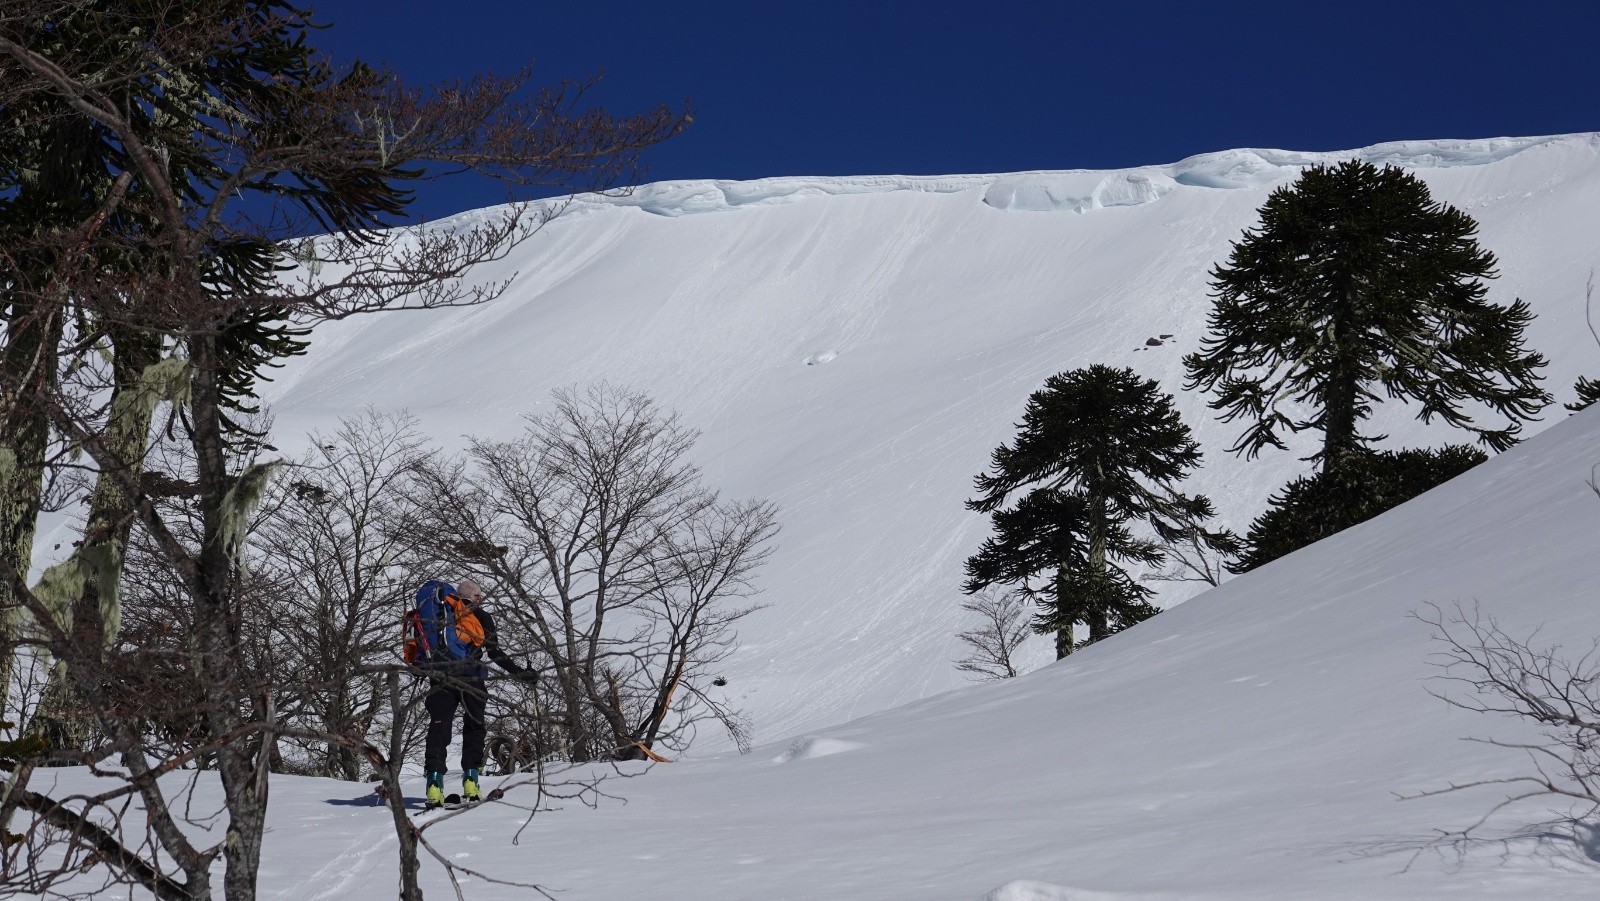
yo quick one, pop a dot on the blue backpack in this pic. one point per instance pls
(440, 627)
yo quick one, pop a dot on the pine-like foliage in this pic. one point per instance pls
(1357, 286)
(1047, 536)
(1098, 451)
(1313, 507)
(1588, 392)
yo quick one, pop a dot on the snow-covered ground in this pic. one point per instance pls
(853, 349)
(1248, 744)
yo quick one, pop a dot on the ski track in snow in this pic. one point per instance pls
(366, 854)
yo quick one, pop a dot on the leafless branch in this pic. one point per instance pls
(1484, 669)
(1003, 625)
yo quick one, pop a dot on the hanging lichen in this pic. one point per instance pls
(93, 566)
(240, 503)
(168, 379)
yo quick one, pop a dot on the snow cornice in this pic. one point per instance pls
(1078, 190)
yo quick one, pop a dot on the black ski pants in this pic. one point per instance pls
(444, 696)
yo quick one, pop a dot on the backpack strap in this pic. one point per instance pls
(414, 624)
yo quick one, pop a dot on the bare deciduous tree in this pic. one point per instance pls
(330, 545)
(625, 575)
(1003, 625)
(1192, 552)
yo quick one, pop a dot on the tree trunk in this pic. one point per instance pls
(609, 705)
(195, 865)
(27, 372)
(224, 503)
(33, 308)
(1340, 394)
(1064, 630)
(1099, 628)
(63, 720)
(95, 615)
(340, 760)
(1339, 434)
(405, 831)
(575, 698)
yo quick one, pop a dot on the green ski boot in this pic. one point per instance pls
(435, 791)
(469, 786)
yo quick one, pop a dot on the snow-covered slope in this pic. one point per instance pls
(1248, 745)
(854, 347)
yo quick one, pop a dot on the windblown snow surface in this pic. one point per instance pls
(853, 348)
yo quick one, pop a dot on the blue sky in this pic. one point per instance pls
(854, 88)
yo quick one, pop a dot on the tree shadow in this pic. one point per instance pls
(370, 800)
(1563, 838)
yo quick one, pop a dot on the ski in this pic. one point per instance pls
(457, 802)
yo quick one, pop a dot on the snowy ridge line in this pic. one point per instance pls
(1076, 190)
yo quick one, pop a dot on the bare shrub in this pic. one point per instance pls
(1193, 553)
(1003, 625)
(1485, 669)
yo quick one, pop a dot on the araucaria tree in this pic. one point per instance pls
(1357, 286)
(1092, 472)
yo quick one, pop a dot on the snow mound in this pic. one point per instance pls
(1028, 890)
(1253, 168)
(1245, 746)
(681, 198)
(1076, 191)
(812, 746)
